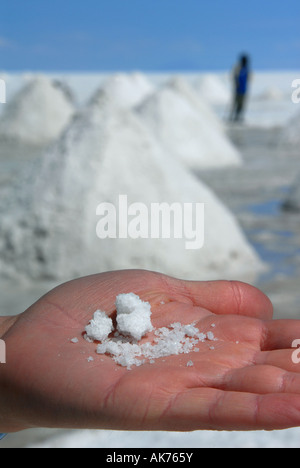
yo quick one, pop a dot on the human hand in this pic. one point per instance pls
(48, 382)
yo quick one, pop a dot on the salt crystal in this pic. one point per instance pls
(88, 339)
(133, 316)
(74, 340)
(191, 330)
(99, 327)
(133, 322)
(189, 364)
(90, 359)
(201, 336)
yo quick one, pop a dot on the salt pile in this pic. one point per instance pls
(38, 113)
(106, 152)
(271, 93)
(186, 128)
(180, 85)
(212, 89)
(133, 323)
(125, 90)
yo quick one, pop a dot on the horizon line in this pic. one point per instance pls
(137, 70)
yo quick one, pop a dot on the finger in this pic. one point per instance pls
(230, 297)
(287, 359)
(262, 379)
(208, 408)
(280, 334)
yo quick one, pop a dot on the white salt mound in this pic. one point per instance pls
(180, 85)
(38, 113)
(125, 90)
(185, 128)
(99, 327)
(271, 93)
(212, 89)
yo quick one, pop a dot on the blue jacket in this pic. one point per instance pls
(242, 80)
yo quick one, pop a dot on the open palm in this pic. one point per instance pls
(246, 380)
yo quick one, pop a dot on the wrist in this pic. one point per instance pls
(7, 423)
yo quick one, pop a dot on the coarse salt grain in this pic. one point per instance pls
(99, 327)
(210, 336)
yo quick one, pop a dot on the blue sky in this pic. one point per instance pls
(148, 35)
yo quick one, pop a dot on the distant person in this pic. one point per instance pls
(241, 75)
